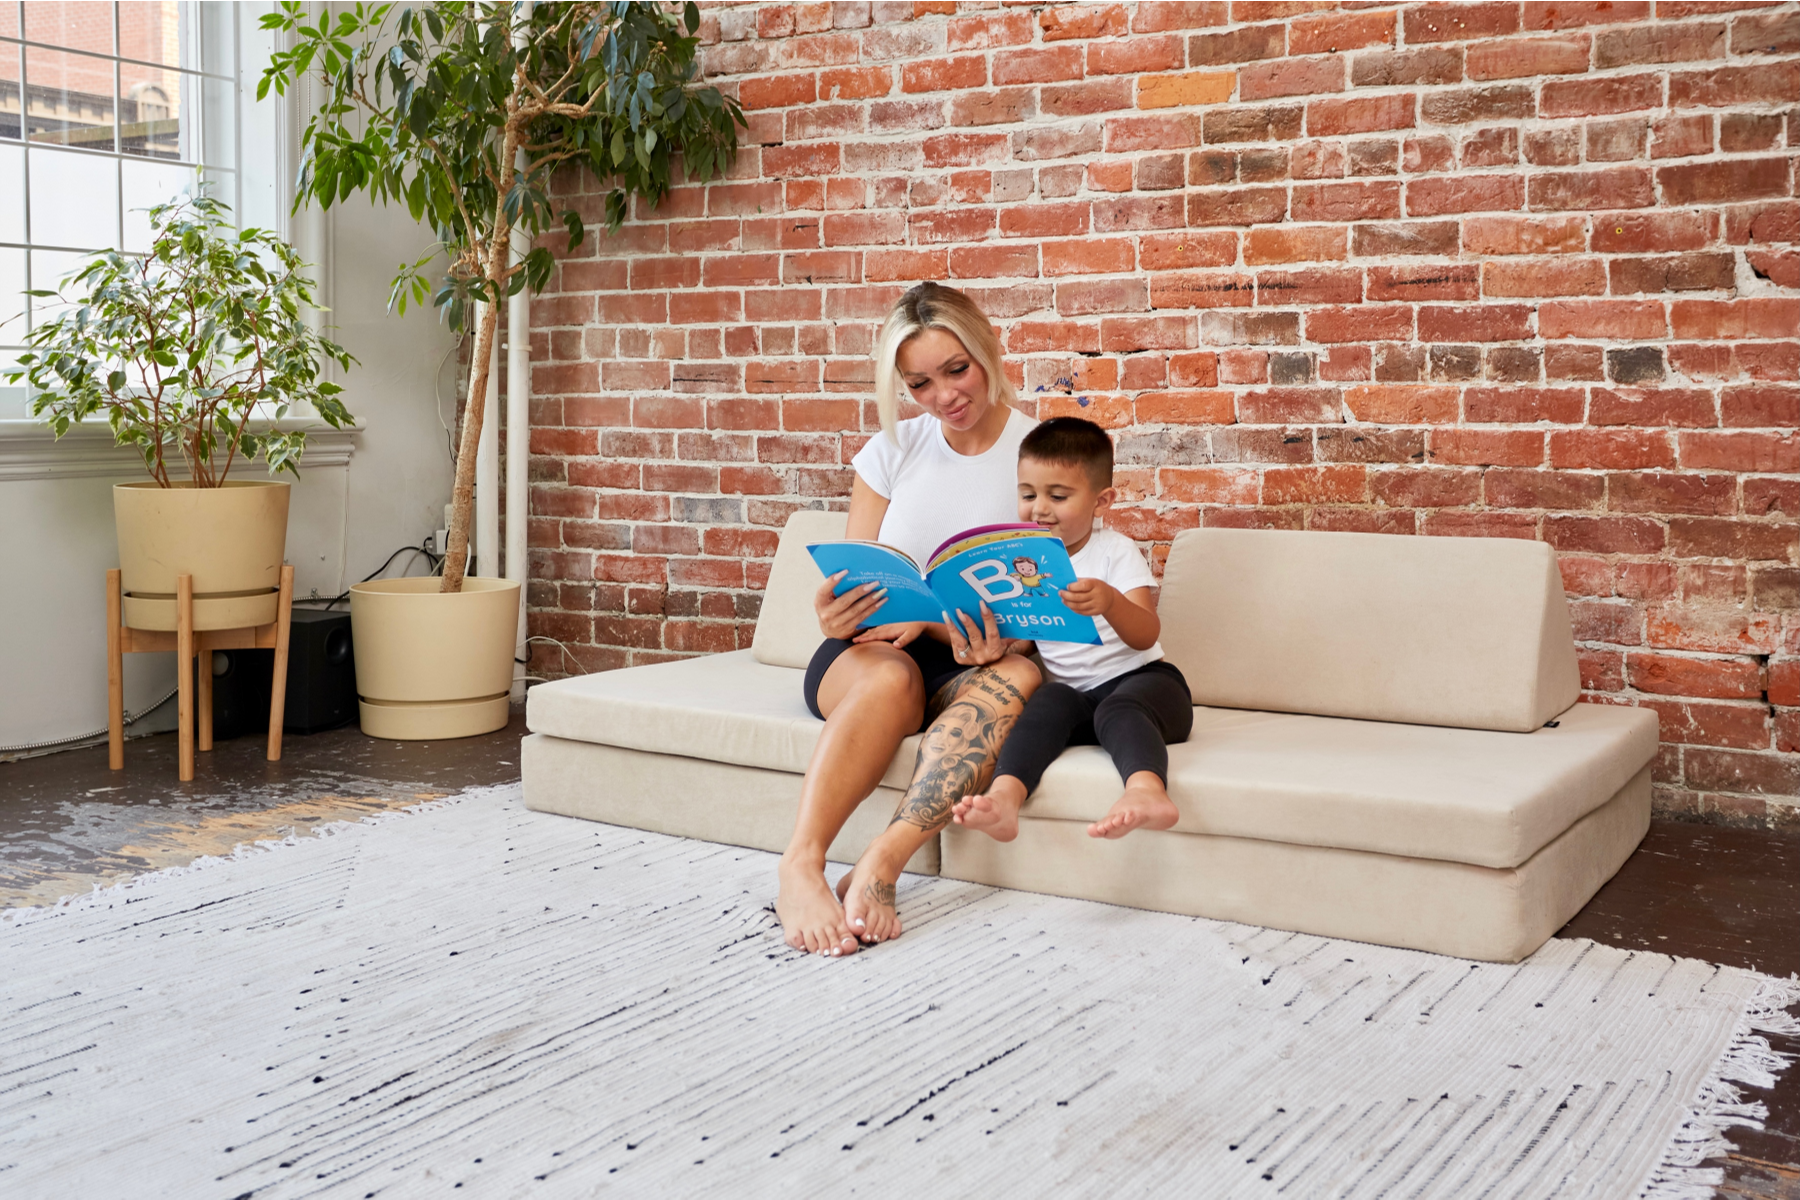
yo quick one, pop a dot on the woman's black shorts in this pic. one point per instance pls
(937, 663)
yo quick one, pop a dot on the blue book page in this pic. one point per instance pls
(1019, 576)
(908, 598)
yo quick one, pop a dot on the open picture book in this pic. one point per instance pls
(1017, 570)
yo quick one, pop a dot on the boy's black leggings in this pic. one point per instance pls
(1133, 717)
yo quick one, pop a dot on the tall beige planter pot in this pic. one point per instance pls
(430, 665)
(231, 539)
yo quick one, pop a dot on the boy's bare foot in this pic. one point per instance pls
(1145, 805)
(994, 812)
(868, 895)
(811, 917)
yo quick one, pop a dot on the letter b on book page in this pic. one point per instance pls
(991, 580)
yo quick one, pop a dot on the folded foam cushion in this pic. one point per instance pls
(787, 628)
(1462, 795)
(1474, 796)
(1471, 632)
(726, 708)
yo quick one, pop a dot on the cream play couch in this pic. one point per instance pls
(1387, 747)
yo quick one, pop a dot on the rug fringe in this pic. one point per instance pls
(1749, 1061)
(104, 894)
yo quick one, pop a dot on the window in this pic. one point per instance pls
(109, 108)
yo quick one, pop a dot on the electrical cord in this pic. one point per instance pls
(568, 655)
(435, 560)
(130, 719)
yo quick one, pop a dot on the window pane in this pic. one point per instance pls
(155, 111)
(13, 406)
(10, 106)
(262, 162)
(218, 37)
(77, 25)
(12, 298)
(9, 19)
(147, 183)
(74, 200)
(222, 186)
(69, 99)
(218, 126)
(12, 196)
(154, 32)
(48, 270)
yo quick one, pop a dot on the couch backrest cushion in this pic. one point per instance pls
(787, 629)
(1465, 632)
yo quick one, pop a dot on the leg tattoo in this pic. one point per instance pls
(978, 709)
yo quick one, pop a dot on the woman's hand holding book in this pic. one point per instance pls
(839, 616)
(976, 645)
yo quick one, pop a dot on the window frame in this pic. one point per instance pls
(214, 97)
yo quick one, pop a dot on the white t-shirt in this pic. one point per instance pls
(933, 492)
(1113, 558)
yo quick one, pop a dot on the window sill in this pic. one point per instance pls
(28, 450)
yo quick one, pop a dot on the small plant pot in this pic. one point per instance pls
(230, 538)
(430, 665)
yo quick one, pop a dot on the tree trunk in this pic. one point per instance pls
(462, 494)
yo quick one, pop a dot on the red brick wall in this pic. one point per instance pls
(1489, 270)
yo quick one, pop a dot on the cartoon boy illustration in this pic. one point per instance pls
(1029, 574)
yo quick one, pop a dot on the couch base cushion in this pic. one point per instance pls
(690, 797)
(1465, 795)
(1454, 908)
(728, 708)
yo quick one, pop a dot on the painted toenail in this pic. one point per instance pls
(858, 922)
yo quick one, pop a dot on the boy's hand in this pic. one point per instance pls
(1090, 597)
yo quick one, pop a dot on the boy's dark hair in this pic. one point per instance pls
(1075, 442)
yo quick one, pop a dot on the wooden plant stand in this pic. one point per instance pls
(190, 644)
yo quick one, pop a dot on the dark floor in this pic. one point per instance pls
(1729, 896)
(67, 822)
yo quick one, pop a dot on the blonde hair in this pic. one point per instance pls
(933, 306)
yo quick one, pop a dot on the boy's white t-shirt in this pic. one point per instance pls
(1113, 558)
(933, 492)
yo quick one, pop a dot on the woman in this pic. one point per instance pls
(918, 482)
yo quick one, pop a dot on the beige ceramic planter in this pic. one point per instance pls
(429, 665)
(231, 539)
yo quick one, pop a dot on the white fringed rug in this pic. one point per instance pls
(475, 996)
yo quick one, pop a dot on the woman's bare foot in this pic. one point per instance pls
(867, 891)
(1145, 805)
(811, 917)
(994, 812)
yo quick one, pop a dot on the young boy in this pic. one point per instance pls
(1120, 695)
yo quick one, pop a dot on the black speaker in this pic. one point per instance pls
(240, 691)
(321, 680)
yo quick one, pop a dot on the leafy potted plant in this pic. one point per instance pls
(463, 111)
(196, 351)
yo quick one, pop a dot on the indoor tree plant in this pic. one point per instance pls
(194, 351)
(464, 111)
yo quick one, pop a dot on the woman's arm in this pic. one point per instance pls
(842, 616)
(1129, 613)
(867, 508)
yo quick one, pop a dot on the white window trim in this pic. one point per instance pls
(28, 450)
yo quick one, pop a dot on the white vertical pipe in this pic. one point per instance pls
(518, 417)
(487, 469)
